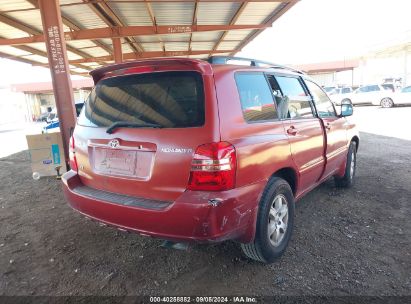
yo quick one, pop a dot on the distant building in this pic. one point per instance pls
(39, 96)
(377, 66)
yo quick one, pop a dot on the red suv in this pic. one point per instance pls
(189, 150)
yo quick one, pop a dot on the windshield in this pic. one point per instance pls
(167, 99)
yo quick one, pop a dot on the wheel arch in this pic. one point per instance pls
(356, 139)
(289, 175)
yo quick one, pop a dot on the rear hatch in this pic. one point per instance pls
(141, 125)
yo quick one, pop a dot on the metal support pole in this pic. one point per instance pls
(118, 53)
(59, 68)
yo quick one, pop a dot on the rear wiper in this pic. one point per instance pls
(128, 124)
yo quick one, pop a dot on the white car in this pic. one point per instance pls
(340, 95)
(374, 94)
(401, 97)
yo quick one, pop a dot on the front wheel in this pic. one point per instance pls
(275, 222)
(387, 103)
(350, 168)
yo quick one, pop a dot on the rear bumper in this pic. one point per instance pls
(191, 217)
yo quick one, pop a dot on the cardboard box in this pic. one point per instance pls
(46, 153)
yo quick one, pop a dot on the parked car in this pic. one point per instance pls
(402, 97)
(370, 94)
(53, 125)
(329, 89)
(192, 151)
(341, 95)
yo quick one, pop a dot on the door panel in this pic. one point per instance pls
(303, 129)
(336, 138)
(334, 127)
(307, 149)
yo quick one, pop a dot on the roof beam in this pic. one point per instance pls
(281, 10)
(125, 31)
(193, 22)
(105, 13)
(35, 33)
(150, 1)
(154, 54)
(70, 24)
(32, 62)
(233, 21)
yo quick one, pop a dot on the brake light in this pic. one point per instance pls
(213, 167)
(72, 155)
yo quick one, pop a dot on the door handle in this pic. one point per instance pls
(292, 130)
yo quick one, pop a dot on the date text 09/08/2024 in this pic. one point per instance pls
(199, 299)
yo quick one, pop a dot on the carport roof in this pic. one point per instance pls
(148, 28)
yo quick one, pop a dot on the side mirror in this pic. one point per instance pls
(346, 110)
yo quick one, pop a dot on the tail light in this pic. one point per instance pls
(213, 167)
(72, 155)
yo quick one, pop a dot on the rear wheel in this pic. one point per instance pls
(387, 102)
(350, 168)
(275, 222)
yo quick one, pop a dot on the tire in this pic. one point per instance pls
(387, 102)
(350, 168)
(272, 237)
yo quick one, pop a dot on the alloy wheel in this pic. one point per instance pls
(278, 220)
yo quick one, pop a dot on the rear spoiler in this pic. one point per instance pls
(200, 65)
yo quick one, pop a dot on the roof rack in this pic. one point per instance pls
(250, 62)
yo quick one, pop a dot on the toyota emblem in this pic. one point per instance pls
(114, 143)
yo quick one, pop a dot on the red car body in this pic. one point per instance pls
(156, 199)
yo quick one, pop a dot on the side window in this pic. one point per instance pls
(363, 89)
(294, 102)
(255, 97)
(373, 88)
(325, 107)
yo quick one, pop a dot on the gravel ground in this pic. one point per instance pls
(345, 242)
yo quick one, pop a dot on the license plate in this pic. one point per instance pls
(115, 162)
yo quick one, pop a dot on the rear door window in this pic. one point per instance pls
(167, 99)
(294, 102)
(255, 97)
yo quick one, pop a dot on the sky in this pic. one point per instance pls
(310, 32)
(324, 30)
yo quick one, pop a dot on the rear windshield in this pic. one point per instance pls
(168, 99)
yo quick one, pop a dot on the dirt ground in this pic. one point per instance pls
(345, 242)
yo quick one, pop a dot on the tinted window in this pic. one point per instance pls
(388, 87)
(255, 96)
(328, 89)
(373, 88)
(294, 102)
(346, 90)
(323, 104)
(362, 90)
(406, 90)
(169, 99)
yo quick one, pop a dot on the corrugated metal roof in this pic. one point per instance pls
(256, 13)
(8, 5)
(21, 18)
(132, 13)
(83, 15)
